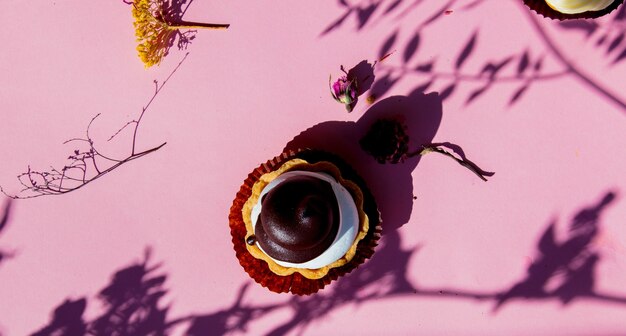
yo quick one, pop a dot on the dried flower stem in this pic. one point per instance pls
(195, 25)
(432, 148)
(85, 166)
(157, 89)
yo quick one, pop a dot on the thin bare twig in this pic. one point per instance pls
(87, 165)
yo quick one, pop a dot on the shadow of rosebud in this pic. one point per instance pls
(363, 73)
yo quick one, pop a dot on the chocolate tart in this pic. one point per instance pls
(247, 238)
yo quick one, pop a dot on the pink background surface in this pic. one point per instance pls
(243, 94)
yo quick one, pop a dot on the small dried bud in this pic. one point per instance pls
(386, 141)
(344, 91)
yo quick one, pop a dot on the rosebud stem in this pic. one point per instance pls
(462, 161)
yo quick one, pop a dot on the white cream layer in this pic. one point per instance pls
(578, 6)
(348, 223)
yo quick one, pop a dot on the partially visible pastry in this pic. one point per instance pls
(573, 9)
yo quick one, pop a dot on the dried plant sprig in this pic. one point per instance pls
(388, 142)
(156, 32)
(85, 165)
(463, 161)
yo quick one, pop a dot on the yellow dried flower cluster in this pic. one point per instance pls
(154, 34)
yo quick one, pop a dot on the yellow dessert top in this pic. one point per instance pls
(578, 6)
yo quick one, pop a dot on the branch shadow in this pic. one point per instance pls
(4, 221)
(391, 184)
(522, 68)
(382, 277)
(132, 302)
(130, 306)
(579, 73)
(234, 318)
(385, 277)
(565, 270)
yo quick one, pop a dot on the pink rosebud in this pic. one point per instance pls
(344, 91)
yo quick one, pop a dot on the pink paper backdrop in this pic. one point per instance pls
(539, 249)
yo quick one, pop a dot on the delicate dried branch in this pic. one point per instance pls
(85, 165)
(387, 141)
(433, 148)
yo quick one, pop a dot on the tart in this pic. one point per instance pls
(573, 9)
(302, 220)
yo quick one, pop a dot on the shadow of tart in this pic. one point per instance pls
(273, 274)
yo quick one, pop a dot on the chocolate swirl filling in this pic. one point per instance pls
(299, 219)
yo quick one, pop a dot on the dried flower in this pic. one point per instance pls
(344, 90)
(156, 34)
(388, 142)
